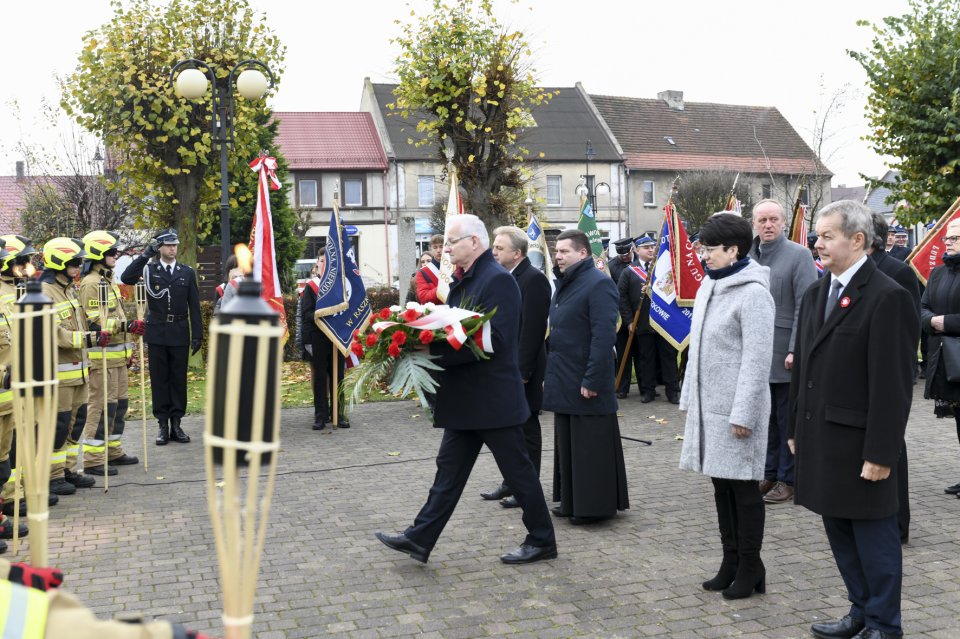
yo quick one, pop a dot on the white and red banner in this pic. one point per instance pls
(261, 238)
(638, 270)
(928, 254)
(450, 320)
(454, 208)
(687, 269)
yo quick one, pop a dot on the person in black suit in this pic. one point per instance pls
(645, 349)
(850, 395)
(903, 275)
(174, 328)
(480, 401)
(510, 246)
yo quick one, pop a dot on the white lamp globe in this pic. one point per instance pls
(191, 83)
(252, 84)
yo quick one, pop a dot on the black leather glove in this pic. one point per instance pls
(152, 249)
(195, 346)
(5, 380)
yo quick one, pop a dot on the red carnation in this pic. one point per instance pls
(409, 315)
(371, 339)
(426, 337)
(399, 338)
(393, 350)
(357, 349)
(384, 313)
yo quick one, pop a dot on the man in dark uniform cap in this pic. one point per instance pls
(616, 266)
(632, 287)
(172, 298)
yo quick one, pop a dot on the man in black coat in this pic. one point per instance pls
(850, 396)
(173, 299)
(903, 275)
(644, 350)
(480, 401)
(510, 246)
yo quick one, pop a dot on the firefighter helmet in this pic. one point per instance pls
(59, 251)
(97, 244)
(19, 249)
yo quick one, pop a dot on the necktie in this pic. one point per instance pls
(832, 298)
(170, 272)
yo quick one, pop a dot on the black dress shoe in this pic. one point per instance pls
(403, 544)
(497, 493)
(510, 502)
(124, 460)
(163, 435)
(844, 628)
(527, 554)
(673, 398)
(873, 633)
(558, 512)
(321, 425)
(646, 398)
(621, 395)
(952, 490)
(176, 433)
(343, 422)
(97, 470)
(61, 486)
(585, 521)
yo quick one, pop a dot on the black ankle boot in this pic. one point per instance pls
(164, 435)
(751, 577)
(176, 433)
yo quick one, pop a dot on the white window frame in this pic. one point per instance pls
(352, 179)
(559, 200)
(652, 202)
(316, 194)
(422, 181)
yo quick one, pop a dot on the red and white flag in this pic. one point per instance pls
(687, 269)
(928, 254)
(261, 238)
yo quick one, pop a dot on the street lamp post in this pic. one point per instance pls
(191, 83)
(585, 188)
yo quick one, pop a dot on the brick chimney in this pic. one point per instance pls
(20, 171)
(674, 99)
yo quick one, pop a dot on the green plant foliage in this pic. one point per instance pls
(162, 143)
(471, 81)
(913, 71)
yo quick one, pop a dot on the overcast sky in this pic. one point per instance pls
(758, 52)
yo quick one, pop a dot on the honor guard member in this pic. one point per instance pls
(101, 250)
(173, 298)
(6, 412)
(32, 606)
(616, 266)
(19, 253)
(62, 258)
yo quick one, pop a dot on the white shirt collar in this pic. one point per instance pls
(845, 277)
(172, 266)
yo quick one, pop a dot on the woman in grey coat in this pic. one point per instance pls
(726, 397)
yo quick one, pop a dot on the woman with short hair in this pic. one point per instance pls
(727, 399)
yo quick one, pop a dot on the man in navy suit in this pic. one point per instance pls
(174, 328)
(480, 401)
(850, 395)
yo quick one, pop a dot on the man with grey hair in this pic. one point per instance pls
(847, 420)
(791, 273)
(510, 246)
(480, 402)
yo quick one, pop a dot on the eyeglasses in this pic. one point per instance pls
(950, 239)
(455, 240)
(708, 249)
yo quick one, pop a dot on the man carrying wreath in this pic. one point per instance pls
(480, 401)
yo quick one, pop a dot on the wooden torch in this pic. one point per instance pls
(34, 384)
(140, 295)
(242, 433)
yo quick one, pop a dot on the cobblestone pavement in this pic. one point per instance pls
(147, 544)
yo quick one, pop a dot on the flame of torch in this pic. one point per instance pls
(29, 270)
(244, 259)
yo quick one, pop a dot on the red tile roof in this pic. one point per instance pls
(12, 202)
(705, 135)
(330, 141)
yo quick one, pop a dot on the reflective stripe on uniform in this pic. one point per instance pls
(94, 446)
(13, 476)
(6, 396)
(114, 443)
(58, 457)
(71, 370)
(73, 451)
(24, 612)
(114, 351)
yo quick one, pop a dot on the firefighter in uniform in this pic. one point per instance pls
(19, 252)
(6, 412)
(62, 258)
(33, 607)
(101, 250)
(172, 298)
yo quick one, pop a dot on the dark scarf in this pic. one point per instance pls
(952, 261)
(727, 271)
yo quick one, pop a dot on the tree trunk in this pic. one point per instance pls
(187, 191)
